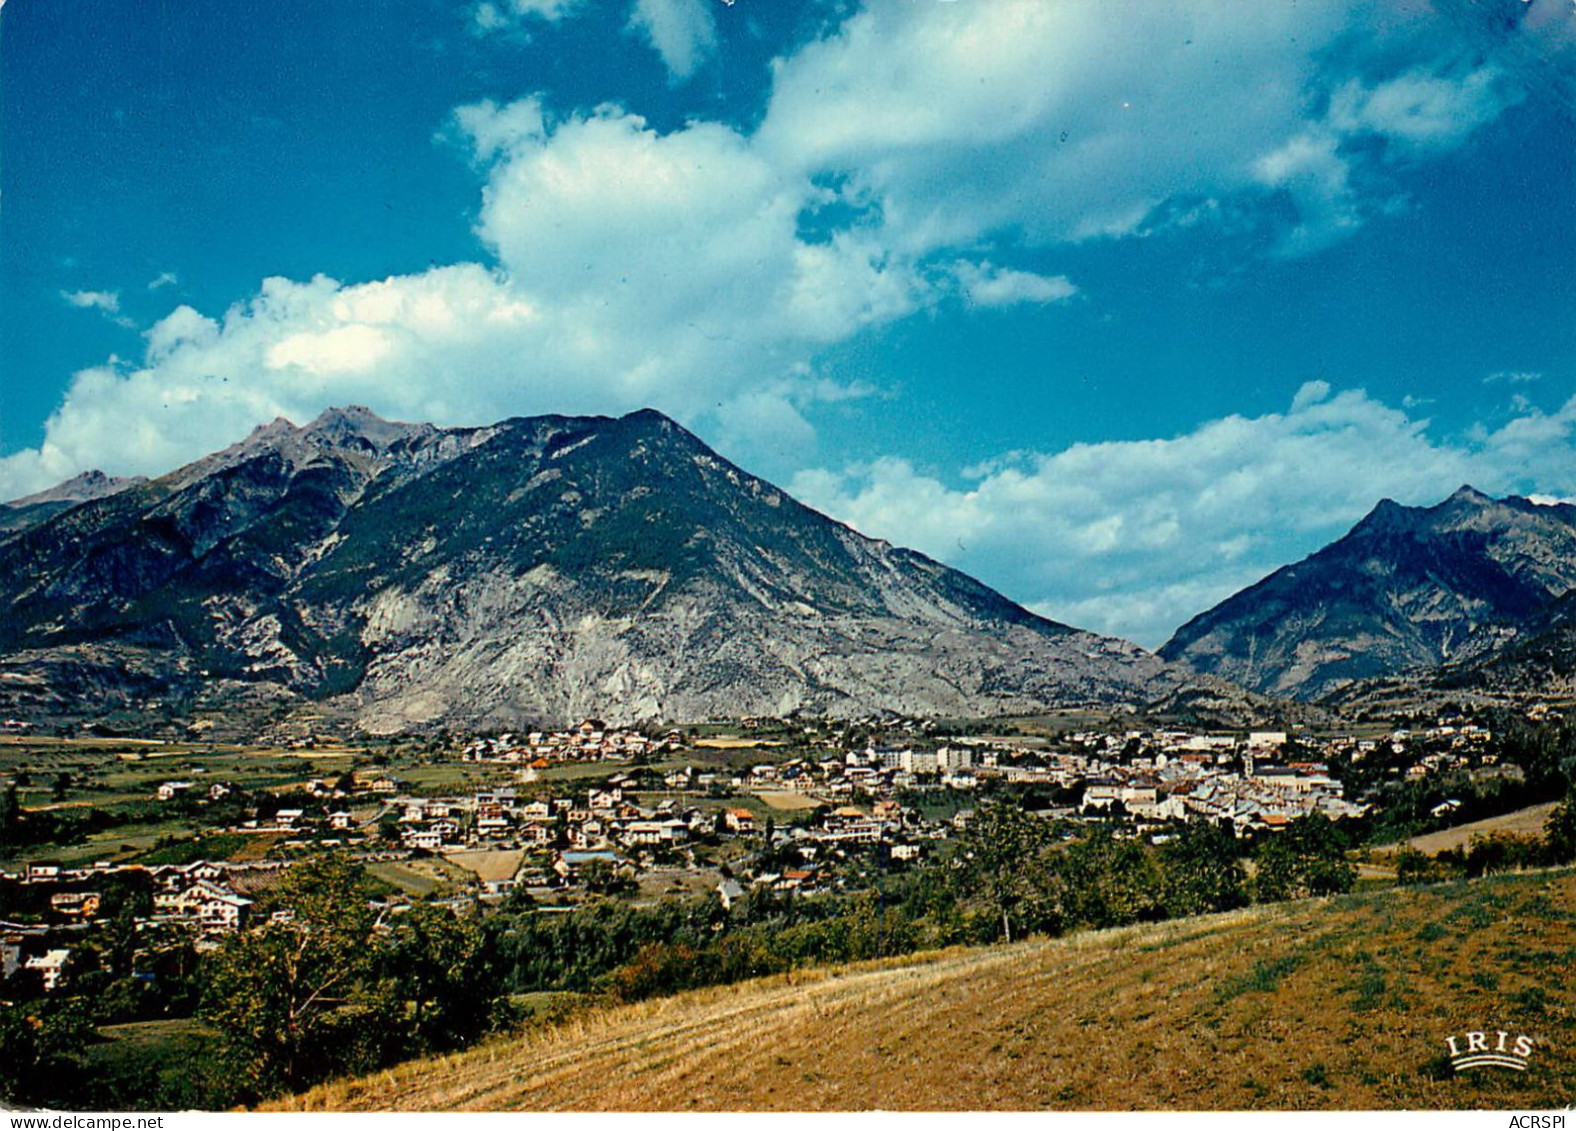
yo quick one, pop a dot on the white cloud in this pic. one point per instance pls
(353, 348)
(701, 269)
(1310, 393)
(986, 285)
(1076, 120)
(1420, 110)
(163, 279)
(503, 15)
(1135, 537)
(668, 262)
(683, 32)
(1512, 377)
(491, 129)
(181, 326)
(106, 303)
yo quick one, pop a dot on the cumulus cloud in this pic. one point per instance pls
(702, 268)
(689, 235)
(1078, 120)
(1135, 537)
(634, 268)
(683, 32)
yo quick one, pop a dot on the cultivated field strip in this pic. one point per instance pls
(1334, 1004)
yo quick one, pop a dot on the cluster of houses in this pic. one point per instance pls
(1265, 796)
(591, 741)
(1150, 778)
(212, 897)
(204, 898)
(491, 817)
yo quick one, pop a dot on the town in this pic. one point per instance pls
(643, 817)
(168, 903)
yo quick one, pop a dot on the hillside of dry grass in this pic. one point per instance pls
(1323, 1004)
(1530, 821)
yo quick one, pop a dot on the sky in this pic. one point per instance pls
(1117, 305)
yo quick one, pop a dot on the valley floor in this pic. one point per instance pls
(1325, 1004)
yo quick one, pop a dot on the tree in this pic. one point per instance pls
(439, 965)
(1413, 867)
(1201, 872)
(10, 816)
(298, 1000)
(603, 877)
(1559, 834)
(41, 1051)
(1107, 881)
(1308, 858)
(60, 787)
(1001, 863)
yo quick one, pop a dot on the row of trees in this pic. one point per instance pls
(1497, 852)
(1042, 877)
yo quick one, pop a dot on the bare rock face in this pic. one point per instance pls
(540, 570)
(1408, 590)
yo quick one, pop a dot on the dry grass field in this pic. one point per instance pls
(1527, 822)
(787, 800)
(1335, 1004)
(489, 867)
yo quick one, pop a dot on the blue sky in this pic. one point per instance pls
(1117, 306)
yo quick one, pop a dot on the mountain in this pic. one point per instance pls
(1540, 661)
(538, 570)
(22, 513)
(1407, 590)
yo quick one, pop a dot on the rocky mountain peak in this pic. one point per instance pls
(1407, 589)
(356, 425)
(1468, 495)
(81, 488)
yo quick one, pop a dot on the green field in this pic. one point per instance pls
(120, 777)
(143, 1061)
(424, 877)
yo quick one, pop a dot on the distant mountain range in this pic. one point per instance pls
(537, 570)
(1473, 590)
(22, 513)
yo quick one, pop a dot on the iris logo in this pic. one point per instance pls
(1482, 1050)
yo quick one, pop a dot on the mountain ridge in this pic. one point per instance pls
(1405, 591)
(538, 569)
